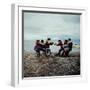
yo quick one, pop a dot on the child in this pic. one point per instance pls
(37, 47)
(43, 47)
(66, 48)
(70, 44)
(47, 45)
(61, 47)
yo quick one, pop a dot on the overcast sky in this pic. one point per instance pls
(55, 26)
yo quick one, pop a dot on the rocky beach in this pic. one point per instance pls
(34, 66)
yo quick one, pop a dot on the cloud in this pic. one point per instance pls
(43, 25)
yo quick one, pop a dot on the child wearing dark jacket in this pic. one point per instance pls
(61, 47)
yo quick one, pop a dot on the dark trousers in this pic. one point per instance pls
(48, 51)
(59, 53)
(40, 49)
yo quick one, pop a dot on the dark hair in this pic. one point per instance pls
(37, 41)
(69, 39)
(66, 41)
(60, 41)
(42, 41)
(49, 39)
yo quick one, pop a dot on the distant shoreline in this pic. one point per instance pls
(75, 49)
(29, 46)
(76, 53)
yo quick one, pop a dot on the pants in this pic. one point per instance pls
(60, 50)
(38, 51)
(48, 51)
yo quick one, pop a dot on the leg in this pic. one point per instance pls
(48, 52)
(67, 52)
(38, 53)
(60, 50)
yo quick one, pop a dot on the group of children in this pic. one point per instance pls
(64, 50)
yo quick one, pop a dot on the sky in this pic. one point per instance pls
(56, 26)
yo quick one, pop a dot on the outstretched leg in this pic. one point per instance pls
(48, 52)
(38, 53)
(59, 52)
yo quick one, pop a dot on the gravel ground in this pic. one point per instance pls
(51, 66)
